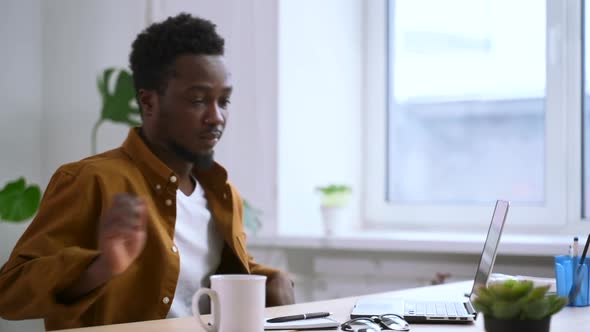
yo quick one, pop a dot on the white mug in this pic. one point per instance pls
(237, 303)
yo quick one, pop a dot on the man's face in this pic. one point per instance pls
(192, 111)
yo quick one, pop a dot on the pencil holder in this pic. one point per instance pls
(565, 268)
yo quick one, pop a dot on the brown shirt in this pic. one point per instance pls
(62, 241)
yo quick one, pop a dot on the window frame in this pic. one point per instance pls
(563, 154)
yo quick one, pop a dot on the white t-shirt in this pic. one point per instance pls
(199, 246)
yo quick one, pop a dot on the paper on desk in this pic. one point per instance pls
(303, 324)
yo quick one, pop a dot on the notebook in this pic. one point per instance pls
(27, 325)
(442, 311)
(303, 324)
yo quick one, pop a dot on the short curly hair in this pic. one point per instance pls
(157, 47)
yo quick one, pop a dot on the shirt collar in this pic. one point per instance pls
(159, 175)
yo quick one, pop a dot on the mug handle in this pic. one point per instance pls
(216, 312)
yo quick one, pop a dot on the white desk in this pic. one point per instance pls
(568, 319)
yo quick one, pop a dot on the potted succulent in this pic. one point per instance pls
(514, 305)
(333, 199)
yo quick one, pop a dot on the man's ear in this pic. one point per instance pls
(148, 101)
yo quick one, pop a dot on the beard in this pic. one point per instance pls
(202, 161)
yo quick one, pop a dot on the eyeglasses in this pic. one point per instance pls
(376, 324)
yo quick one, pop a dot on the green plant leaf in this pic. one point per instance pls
(521, 289)
(536, 310)
(484, 295)
(535, 294)
(505, 310)
(556, 303)
(501, 291)
(334, 195)
(510, 283)
(19, 202)
(517, 300)
(334, 188)
(251, 217)
(482, 306)
(118, 105)
(102, 82)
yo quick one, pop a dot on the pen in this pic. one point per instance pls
(570, 251)
(299, 317)
(577, 284)
(576, 247)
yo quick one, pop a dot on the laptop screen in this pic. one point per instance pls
(488, 255)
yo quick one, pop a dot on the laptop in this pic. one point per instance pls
(442, 311)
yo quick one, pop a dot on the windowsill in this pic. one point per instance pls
(426, 242)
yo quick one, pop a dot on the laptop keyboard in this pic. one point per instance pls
(449, 309)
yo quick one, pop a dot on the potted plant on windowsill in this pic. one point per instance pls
(517, 306)
(333, 199)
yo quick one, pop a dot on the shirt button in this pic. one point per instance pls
(158, 187)
(165, 300)
(168, 202)
(173, 179)
(174, 249)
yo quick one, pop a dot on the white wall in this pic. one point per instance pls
(80, 39)
(320, 82)
(20, 101)
(59, 47)
(83, 38)
(291, 129)
(324, 273)
(249, 146)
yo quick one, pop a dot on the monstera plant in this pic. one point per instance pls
(118, 100)
(19, 201)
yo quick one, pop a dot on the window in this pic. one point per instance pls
(586, 113)
(466, 94)
(473, 101)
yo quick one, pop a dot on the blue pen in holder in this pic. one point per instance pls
(565, 268)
